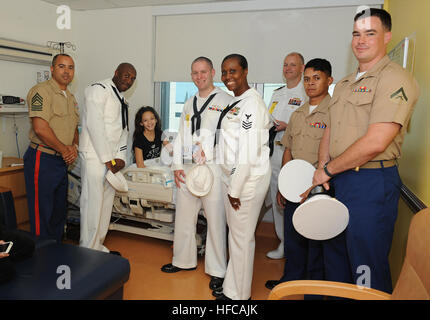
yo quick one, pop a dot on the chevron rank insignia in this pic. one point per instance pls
(36, 102)
(399, 96)
(246, 124)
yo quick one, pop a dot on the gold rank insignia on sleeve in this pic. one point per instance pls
(37, 102)
(272, 107)
(399, 96)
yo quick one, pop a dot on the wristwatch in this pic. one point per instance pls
(327, 172)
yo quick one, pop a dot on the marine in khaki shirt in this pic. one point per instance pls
(305, 131)
(57, 107)
(301, 140)
(53, 146)
(386, 93)
(369, 114)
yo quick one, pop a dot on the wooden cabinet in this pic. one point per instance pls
(13, 178)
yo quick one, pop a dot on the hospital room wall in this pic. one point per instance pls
(108, 37)
(27, 21)
(103, 39)
(409, 17)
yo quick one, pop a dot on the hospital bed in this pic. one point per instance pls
(150, 204)
(148, 208)
(149, 201)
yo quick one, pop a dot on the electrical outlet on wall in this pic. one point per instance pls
(42, 76)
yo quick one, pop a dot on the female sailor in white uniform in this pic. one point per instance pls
(244, 154)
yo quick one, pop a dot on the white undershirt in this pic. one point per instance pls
(312, 108)
(64, 92)
(359, 74)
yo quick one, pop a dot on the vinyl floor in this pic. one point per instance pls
(147, 255)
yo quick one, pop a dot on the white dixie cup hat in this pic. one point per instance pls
(199, 180)
(117, 181)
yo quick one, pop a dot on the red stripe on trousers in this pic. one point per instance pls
(36, 193)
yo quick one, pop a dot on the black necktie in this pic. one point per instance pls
(124, 109)
(223, 113)
(198, 114)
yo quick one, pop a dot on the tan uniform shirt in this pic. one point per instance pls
(386, 93)
(47, 101)
(305, 131)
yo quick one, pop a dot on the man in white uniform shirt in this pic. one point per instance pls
(103, 146)
(196, 131)
(285, 101)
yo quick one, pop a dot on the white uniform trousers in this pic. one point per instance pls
(96, 202)
(184, 241)
(241, 238)
(278, 212)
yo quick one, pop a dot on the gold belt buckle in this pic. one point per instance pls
(377, 164)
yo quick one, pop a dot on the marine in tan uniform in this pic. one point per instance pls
(53, 146)
(301, 141)
(369, 113)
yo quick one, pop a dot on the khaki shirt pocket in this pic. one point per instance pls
(312, 143)
(59, 109)
(359, 107)
(296, 142)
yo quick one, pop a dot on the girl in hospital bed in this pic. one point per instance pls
(148, 138)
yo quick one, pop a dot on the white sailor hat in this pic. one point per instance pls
(199, 180)
(295, 178)
(320, 217)
(117, 181)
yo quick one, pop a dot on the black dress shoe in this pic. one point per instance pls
(170, 268)
(216, 283)
(222, 297)
(115, 253)
(270, 284)
(217, 293)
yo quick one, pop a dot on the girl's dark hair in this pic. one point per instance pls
(241, 59)
(138, 128)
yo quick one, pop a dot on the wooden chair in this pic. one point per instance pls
(413, 282)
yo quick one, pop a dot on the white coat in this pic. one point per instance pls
(102, 139)
(246, 175)
(188, 205)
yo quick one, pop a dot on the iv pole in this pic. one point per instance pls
(60, 45)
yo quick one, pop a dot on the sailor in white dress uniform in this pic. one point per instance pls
(244, 153)
(103, 146)
(196, 131)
